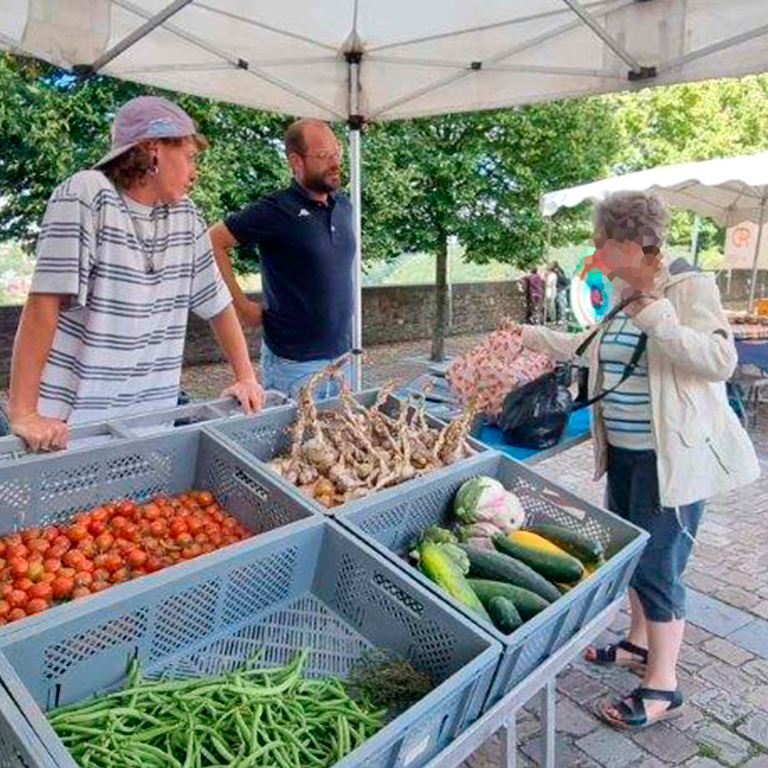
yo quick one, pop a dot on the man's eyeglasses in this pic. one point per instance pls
(324, 155)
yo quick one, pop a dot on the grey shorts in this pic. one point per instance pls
(633, 493)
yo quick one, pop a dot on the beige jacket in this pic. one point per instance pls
(702, 449)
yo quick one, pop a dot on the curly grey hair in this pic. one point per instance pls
(633, 216)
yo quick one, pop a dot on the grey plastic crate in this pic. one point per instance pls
(51, 491)
(265, 436)
(19, 746)
(98, 433)
(315, 586)
(391, 527)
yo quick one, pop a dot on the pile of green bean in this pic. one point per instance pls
(243, 719)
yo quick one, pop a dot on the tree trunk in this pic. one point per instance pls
(441, 301)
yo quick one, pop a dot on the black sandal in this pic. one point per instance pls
(607, 656)
(633, 715)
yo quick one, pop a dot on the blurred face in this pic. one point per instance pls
(318, 169)
(176, 169)
(625, 264)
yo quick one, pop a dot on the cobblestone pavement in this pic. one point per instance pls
(724, 663)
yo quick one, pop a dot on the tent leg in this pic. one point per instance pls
(357, 321)
(756, 261)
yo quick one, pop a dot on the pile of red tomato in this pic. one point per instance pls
(40, 567)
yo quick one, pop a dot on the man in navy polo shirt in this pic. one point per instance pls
(307, 246)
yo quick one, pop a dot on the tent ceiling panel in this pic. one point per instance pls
(429, 57)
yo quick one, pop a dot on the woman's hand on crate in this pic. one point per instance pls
(248, 392)
(39, 432)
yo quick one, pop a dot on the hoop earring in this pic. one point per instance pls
(153, 168)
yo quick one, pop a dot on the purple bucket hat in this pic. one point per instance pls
(147, 117)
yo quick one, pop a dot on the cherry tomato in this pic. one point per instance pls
(47, 578)
(74, 559)
(113, 562)
(62, 587)
(207, 548)
(67, 573)
(38, 545)
(131, 532)
(51, 533)
(153, 564)
(104, 542)
(37, 605)
(152, 512)
(126, 507)
(19, 567)
(120, 575)
(204, 498)
(36, 571)
(57, 551)
(18, 598)
(77, 533)
(30, 533)
(5, 608)
(80, 592)
(13, 538)
(158, 527)
(83, 579)
(23, 584)
(16, 614)
(118, 522)
(43, 591)
(97, 527)
(193, 550)
(17, 550)
(99, 515)
(62, 541)
(100, 574)
(99, 586)
(184, 539)
(136, 558)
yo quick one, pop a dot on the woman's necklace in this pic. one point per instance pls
(149, 252)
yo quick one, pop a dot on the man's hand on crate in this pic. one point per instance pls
(248, 392)
(39, 432)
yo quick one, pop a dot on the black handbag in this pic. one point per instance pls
(536, 414)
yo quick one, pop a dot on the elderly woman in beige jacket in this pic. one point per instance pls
(666, 436)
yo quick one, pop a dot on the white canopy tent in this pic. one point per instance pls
(362, 60)
(729, 190)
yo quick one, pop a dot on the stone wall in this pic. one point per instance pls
(403, 313)
(390, 314)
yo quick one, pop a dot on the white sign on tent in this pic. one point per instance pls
(740, 242)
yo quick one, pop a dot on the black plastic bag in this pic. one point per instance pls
(536, 414)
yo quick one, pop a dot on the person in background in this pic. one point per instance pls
(534, 291)
(664, 432)
(562, 298)
(306, 245)
(550, 295)
(122, 257)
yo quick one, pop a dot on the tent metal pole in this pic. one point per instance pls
(756, 261)
(138, 34)
(695, 231)
(355, 126)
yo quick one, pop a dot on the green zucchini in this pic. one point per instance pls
(505, 617)
(495, 566)
(582, 547)
(438, 564)
(559, 568)
(528, 603)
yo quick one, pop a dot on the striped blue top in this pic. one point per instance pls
(627, 411)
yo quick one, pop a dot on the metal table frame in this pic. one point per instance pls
(503, 715)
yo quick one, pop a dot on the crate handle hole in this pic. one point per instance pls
(251, 485)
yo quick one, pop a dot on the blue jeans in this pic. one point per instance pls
(289, 376)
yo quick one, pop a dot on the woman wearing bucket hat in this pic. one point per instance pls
(122, 256)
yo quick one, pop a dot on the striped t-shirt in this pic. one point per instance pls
(130, 273)
(627, 411)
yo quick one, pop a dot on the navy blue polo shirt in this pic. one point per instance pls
(307, 252)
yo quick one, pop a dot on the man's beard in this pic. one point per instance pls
(319, 183)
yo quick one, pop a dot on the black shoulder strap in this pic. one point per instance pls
(607, 319)
(629, 369)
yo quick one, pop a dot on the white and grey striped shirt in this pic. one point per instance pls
(130, 273)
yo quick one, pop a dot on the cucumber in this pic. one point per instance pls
(495, 566)
(438, 564)
(582, 547)
(558, 568)
(528, 603)
(504, 615)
